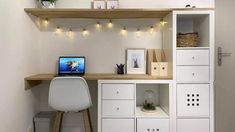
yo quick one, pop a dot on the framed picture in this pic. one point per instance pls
(136, 61)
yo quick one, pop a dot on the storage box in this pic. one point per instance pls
(44, 121)
(112, 4)
(156, 63)
(187, 39)
(99, 4)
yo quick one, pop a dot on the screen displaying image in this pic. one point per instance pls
(72, 65)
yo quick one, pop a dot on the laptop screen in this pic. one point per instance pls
(71, 65)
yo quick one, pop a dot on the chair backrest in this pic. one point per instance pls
(69, 94)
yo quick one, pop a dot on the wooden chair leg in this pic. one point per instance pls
(61, 120)
(87, 121)
(58, 122)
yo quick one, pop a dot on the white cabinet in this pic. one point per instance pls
(187, 106)
(193, 73)
(153, 125)
(118, 108)
(193, 125)
(192, 57)
(193, 100)
(118, 125)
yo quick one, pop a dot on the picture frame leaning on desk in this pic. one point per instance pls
(136, 61)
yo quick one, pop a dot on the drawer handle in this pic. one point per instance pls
(193, 74)
(117, 108)
(148, 130)
(193, 57)
(117, 92)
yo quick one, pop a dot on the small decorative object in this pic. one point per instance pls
(47, 3)
(187, 39)
(136, 61)
(149, 101)
(157, 65)
(120, 69)
(189, 6)
(112, 4)
(99, 4)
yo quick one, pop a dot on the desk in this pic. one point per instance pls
(35, 80)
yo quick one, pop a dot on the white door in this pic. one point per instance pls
(225, 74)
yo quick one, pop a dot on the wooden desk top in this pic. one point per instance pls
(34, 80)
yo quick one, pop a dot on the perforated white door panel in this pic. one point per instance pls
(193, 100)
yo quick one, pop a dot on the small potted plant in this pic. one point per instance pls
(47, 3)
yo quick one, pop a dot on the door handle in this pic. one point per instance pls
(221, 55)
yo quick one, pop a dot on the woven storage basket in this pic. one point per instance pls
(187, 39)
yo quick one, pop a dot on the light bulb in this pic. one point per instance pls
(110, 24)
(151, 30)
(124, 31)
(46, 21)
(138, 33)
(58, 30)
(98, 26)
(85, 33)
(70, 33)
(162, 23)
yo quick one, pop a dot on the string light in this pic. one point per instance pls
(151, 30)
(46, 21)
(70, 33)
(124, 31)
(98, 26)
(138, 33)
(58, 30)
(110, 24)
(162, 23)
(85, 33)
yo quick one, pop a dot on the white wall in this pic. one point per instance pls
(103, 49)
(19, 58)
(142, 3)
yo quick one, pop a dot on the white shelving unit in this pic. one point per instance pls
(185, 103)
(194, 73)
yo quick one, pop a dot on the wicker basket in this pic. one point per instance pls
(187, 39)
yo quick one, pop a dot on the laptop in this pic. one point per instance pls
(71, 66)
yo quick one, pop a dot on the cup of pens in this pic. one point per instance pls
(120, 68)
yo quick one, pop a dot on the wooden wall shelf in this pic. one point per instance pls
(35, 80)
(103, 13)
(98, 13)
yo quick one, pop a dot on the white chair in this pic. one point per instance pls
(68, 94)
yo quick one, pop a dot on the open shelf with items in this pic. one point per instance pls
(196, 23)
(160, 113)
(156, 95)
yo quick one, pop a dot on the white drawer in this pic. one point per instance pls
(193, 73)
(193, 100)
(153, 125)
(118, 125)
(192, 57)
(118, 108)
(193, 125)
(118, 91)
